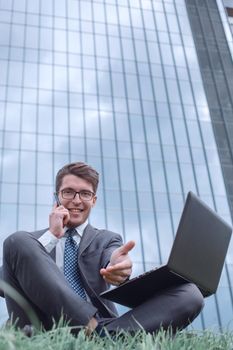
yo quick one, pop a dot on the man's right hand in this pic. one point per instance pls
(58, 219)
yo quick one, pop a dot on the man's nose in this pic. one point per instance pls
(77, 198)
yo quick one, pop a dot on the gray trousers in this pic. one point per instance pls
(30, 270)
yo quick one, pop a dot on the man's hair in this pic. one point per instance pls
(81, 170)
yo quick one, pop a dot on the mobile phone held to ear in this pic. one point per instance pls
(57, 199)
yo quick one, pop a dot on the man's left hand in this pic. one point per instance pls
(120, 265)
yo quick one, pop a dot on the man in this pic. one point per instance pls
(43, 268)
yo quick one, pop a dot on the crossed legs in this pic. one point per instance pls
(30, 270)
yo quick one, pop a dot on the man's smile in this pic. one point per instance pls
(75, 210)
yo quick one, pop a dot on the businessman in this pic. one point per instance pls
(63, 269)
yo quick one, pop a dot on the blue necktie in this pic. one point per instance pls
(71, 268)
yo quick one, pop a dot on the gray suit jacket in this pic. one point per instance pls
(1, 277)
(95, 249)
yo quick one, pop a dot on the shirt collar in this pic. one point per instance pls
(80, 229)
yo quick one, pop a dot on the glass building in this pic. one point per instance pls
(228, 4)
(140, 89)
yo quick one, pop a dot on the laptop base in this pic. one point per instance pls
(143, 291)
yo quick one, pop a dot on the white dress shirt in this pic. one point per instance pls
(49, 241)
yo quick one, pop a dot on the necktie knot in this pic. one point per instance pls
(70, 232)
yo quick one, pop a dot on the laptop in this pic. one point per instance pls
(197, 255)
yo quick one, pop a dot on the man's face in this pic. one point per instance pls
(79, 210)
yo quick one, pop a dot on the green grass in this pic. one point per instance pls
(61, 339)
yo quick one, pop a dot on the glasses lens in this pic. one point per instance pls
(85, 195)
(68, 194)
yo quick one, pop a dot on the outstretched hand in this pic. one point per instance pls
(120, 265)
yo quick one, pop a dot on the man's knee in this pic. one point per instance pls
(186, 303)
(7, 244)
(16, 245)
(15, 240)
(1, 278)
(193, 299)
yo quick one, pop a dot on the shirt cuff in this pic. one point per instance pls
(48, 240)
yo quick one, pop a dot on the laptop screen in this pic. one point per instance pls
(201, 244)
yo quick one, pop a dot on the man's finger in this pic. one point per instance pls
(122, 265)
(117, 271)
(125, 248)
(114, 281)
(66, 219)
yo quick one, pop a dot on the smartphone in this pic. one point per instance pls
(57, 199)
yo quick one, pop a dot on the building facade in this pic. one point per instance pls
(141, 90)
(228, 4)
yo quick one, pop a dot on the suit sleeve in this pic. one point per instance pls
(113, 243)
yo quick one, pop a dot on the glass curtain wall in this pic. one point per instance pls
(115, 83)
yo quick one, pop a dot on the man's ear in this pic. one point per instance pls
(94, 201)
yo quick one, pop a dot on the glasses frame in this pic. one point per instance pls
(78, 192)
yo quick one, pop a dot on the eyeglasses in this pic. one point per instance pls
(84, 195)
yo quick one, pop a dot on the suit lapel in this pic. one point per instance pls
(88, 236)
